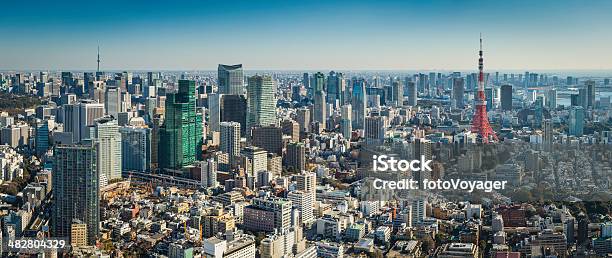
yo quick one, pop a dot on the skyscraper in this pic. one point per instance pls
(318, 82)
(458, 90)
(576, 121)
(112, 101)
(375, 129)
(551, 99)
(106, 133)
(335, 87)
(547, 137)
(320, 109)
(590, 88)
(208, 173)
(230, 79)
(418, 206)
(359, 104)
(397, 95)
(506, 97)
(261, 108)
(306, 80)
(136, 148)
(412, 93)
(346, 127)
(230, 140)
(233, 109)
(42, 136)
(75, 190)
(77, 118)
(88, 79)
(303, 119)
(214, 112)
(181, 134)
(583, 97)
(490, 97)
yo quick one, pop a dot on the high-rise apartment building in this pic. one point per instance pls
(75, 190)
(107, 135)
(230, 140)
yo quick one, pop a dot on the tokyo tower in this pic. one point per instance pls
(480, 122)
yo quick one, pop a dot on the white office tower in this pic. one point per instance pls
(230, 140)
(78, 117)
(112, 101)
(208, 173)
(107, 134)
(304, 202)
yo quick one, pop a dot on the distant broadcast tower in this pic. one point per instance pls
(480, 123)
(98, 70)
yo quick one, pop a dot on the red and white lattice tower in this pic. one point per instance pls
(480, 122)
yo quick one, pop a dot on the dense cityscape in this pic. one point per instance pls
(275, 164)
(106, 160)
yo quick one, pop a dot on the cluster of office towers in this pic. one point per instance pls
(102, 139)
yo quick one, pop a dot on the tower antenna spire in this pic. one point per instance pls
(481, 43)
(480, 121)
(98, 69)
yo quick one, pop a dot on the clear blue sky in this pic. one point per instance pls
(407, 35)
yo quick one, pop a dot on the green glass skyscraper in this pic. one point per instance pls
(180, 142)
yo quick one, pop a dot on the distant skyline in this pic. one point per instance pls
(306, 35)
